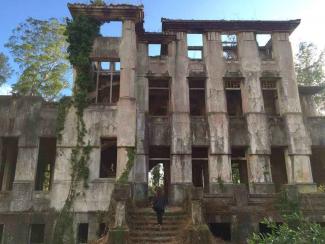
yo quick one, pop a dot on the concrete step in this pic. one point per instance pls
(155, 228)
(151, 239)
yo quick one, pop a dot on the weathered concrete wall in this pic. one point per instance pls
(259, 170)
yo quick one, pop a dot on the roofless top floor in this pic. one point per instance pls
(121, 12)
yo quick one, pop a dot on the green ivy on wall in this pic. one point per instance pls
(80, 32)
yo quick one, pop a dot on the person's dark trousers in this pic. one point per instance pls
(160, 216)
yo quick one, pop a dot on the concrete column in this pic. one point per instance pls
(181, 165)
(219, 162)
(140, 170)
(126, 116)
(259, 170)
(298, 158)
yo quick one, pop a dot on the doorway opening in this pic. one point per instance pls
(159, 170)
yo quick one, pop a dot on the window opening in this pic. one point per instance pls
(108, 158)
(229, 46)
(45, 164)
(154, 50)
(195, 46)
(264, 43)
(197, 97)
(278, 167)
(270, 97)
(239, 166)
(106, 76)
(8, 162)
(111, 29)
(233, 97)
(200, 168)
(158, 97)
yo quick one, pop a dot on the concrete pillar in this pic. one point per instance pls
(298, 159)
(259, 170)
(140, 170)
(126, 116)
(181, 165)
(219, 162)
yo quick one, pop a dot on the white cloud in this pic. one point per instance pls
(5, 90)
(311, 27)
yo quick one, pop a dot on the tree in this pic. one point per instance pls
(5, 70)
(309, 66)
(39, 47)
(295, 227)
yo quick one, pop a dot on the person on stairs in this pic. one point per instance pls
(159, 205)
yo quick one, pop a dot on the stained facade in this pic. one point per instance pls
(224, 115)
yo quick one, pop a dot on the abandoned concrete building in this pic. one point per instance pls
(224, 115)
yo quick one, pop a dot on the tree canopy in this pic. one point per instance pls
(309, 66)
(39, 48)
(5, 70)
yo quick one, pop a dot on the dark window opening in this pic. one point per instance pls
(1, 232)
(106, 82)
(111, 29)
(233, 97)
(37, 233)
(194, 46)
(264, 43)
(229, 46)
(158, 97)
(221, 230)
(197, 97)
(317, 159)
(239, 166)
(102, 230)
(200, 168)
(278, 167)
(8, 162)
(270, 97)
(83, 233)
(265, 230)
(159, 156)
(108, 158)
(45, 164)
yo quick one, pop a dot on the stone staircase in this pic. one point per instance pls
(144, 228)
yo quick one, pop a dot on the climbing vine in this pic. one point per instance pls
(80, 32)
(129, 164)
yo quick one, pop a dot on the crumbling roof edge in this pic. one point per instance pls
(229, 25)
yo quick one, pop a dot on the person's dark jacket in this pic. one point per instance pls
(159, 203)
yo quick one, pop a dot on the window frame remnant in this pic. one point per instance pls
(98, 96)
(108, 170)
(161, 87)
(45, 170)
(37, 233)
(8, 162)
(265, 50)
(229, 46)
(270, 91)
(194, 48)
(233, 89)
(197, 98)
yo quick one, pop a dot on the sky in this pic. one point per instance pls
(311, 13)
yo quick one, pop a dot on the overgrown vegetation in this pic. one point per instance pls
(296, 228)
(309, 66)
(80, 32)
(39, 48)
(5, 69)
(125, 175)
